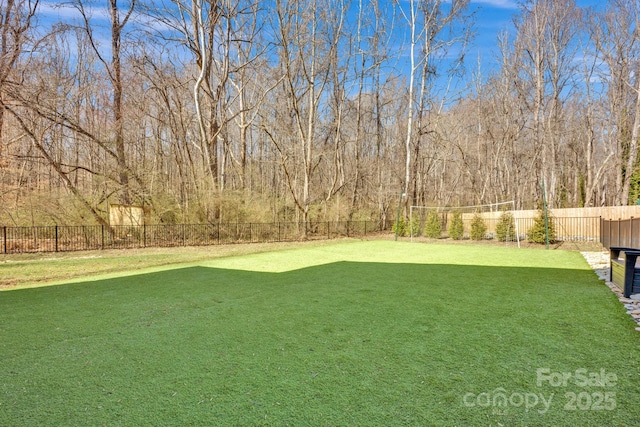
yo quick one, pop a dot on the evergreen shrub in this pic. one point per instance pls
(433, 225)
(456, 228)
(478, 227)
(506, 227)
(537, 232)
(400, 227)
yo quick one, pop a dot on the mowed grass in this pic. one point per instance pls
(359, 333)
(28, 270)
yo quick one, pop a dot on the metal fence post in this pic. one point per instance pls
(601, 233)
(574, 229)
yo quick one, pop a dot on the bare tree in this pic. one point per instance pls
(35, 107)
(545, 41)
(598, 150)
(307, 35)
(250, 90)
(16, 27)
(616, 36)
(113, 68)
(427, 22)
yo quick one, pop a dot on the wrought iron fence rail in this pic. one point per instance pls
(96, 237)
(59, 238)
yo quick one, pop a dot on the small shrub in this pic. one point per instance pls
(414, 227)
(408, 228)
(537, 232)
(456, 228)
(400, 227)
(478, 228)
(433, 225)
(506, 227)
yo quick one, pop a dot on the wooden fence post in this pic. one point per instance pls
(619, 239)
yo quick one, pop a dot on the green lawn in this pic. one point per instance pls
(28, 270)
(359, 333)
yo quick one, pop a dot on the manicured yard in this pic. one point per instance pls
(357, 333)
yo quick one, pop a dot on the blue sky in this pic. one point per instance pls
(495, 16)
(491, 18)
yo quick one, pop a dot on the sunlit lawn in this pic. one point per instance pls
(360, 333)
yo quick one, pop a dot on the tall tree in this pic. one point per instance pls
(113, 67)
(307, 35)
(616, 34)
(428, 22)
(545, 46)
(16, 26)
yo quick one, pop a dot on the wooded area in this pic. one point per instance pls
(210, 111)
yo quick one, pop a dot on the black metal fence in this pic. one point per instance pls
(92, 237)
(620, 232)
(59, 238)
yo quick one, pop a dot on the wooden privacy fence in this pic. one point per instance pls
(620, 232)
(568, 229)
(57, 238)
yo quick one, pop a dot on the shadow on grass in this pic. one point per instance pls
(341, 343)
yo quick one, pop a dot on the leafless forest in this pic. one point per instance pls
(206, 111)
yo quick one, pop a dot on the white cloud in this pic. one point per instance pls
(502, 4)
(53, 11)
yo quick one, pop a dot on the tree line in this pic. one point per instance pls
(206, 111)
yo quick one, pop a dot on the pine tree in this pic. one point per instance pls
(537, 232)
(456, 228)
(433, 225)
(506, 227)
(478, 227)
(400, 227)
